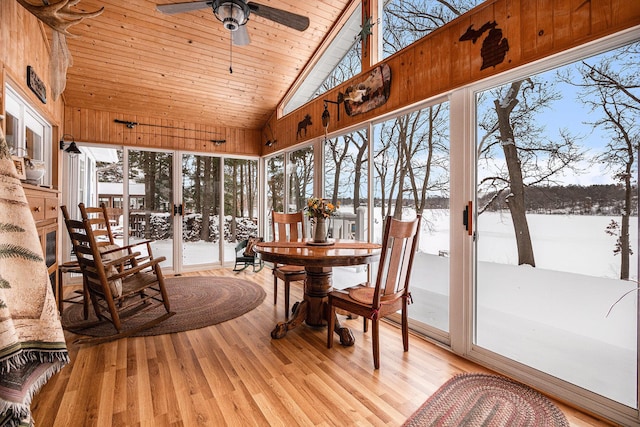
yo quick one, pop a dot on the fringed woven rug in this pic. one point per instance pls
(487, 400)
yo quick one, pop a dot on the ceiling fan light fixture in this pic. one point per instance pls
(232, 13)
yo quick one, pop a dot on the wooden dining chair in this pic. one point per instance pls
(287, 227)
(121, 283)
(390, 292)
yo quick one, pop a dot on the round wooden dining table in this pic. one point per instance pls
(318, 261)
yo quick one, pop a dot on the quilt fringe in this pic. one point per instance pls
(19, 414)
(23, 357)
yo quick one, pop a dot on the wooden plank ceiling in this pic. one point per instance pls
(135, 60)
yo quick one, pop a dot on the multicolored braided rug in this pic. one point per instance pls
(486, 400)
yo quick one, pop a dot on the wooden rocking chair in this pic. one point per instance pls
(246, 256)
(102, 220)
(121, 283)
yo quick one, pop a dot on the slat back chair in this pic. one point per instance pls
(121, 283)
(100, 223)
(104, 237)
(390, 292)
(287, 227)
(101, 219)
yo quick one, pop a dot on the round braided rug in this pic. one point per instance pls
(487, 400)
(197, 301)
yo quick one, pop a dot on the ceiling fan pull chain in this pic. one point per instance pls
(230, 53)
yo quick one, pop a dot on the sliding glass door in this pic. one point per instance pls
(200, 210)
(150, 191)
(241, 195)
(557, 223)
(174, 199)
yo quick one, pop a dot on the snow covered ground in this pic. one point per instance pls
(552, 317)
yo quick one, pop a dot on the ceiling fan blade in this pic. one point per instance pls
(240, 36)
(173, 8)
(289, 19)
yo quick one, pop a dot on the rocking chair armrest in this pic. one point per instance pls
(114, 248)
(129, 271)
(121, 260)
(141, 242)
(133, 245)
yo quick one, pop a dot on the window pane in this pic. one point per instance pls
(346, 182)
(275, 189)
(201, 210)
(341, 61)
(241, 203)
(300, 177)
(406, 21)
(151, 173)
(27, 134)
(34, 134)
(411, 166)
(557, 222)
(12, 126)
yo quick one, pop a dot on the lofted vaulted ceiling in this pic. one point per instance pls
(135, 60)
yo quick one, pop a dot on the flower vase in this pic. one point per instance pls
(320, 230)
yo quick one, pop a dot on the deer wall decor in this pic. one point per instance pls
(59, 17)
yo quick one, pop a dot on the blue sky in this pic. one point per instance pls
(572, 114)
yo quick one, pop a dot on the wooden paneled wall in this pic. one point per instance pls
(435, 64)
(23, 42)
(88, 125)
(440, 62)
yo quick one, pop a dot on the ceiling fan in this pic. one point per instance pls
(234, 14)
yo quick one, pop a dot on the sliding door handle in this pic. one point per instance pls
(467, 218)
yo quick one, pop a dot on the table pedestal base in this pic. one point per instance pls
(297, 317)
(313, 308)
(299, 313)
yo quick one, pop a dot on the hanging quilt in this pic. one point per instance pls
(32, 345)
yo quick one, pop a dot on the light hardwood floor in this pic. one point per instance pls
(235, 374)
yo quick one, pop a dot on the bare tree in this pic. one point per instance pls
(301, 176)
(360, 140)
(338, 153)
(610, 87)
(510, 126)
(408, 148)
(417, 145)
(411, 151)
(149, 167)
(345, 160)
(382, 163)
(207, 197)
(406, 21)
